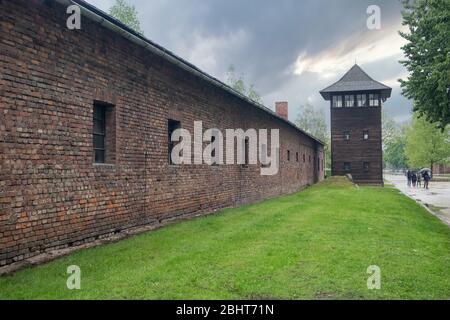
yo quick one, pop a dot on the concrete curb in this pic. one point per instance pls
(426, 206)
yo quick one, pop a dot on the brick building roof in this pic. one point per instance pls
(114, 24)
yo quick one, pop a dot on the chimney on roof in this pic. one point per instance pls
(282, 109)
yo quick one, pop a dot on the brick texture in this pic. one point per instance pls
(52, 196)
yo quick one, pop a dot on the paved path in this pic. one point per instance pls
(437, 198)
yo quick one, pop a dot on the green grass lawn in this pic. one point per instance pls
(316, 244)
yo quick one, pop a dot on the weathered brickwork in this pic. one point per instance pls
(52, 195)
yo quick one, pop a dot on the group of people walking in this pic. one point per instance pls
(415, 178)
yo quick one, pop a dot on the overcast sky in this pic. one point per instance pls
(289, 49)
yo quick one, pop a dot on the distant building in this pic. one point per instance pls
(441, 169)
(356, 131)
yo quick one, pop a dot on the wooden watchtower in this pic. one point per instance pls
(356, 130)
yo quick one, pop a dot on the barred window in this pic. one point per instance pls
(172, 125)
(374, 100)
(337, 101)
(99, 133)
(361, 100)
(349, 100)
(247, 151)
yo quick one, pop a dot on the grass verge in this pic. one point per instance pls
(316, 244)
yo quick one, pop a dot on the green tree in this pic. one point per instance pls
(426, 144)
(394, 151)
(127, 14)
(427, 56)
(238, 84)
(313, 121)
(390, 129)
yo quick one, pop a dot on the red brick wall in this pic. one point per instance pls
(52, 195)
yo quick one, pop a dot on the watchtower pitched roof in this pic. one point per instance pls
(356, 80)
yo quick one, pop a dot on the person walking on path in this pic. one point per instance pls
(408, 175)
(426, 179)
(419, 180)
(414, 179)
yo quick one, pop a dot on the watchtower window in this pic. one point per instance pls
(366, 135)
(296, 156)
(347, 135)
(349, 100)
(337, 101)
(366, 166)
(374, 100)
(289, 155)
(304, 158)
(347, 166)
(361, 100)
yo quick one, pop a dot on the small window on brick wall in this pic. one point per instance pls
(104, 133)
(289, 155)
(172, 125)
(296, 156)
(247, 151)
(213, 152)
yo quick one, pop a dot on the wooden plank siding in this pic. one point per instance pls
(356, 151)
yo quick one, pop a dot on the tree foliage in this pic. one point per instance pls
(426, 144)
(127, 14)
(394, 150)
(427, 60)
(313, 121)
(238, 84)
(390, 129)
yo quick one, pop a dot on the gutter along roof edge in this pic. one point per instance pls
(97, 15)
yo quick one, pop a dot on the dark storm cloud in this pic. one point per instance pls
(264, 39)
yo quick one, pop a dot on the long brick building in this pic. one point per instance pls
(84, 122)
